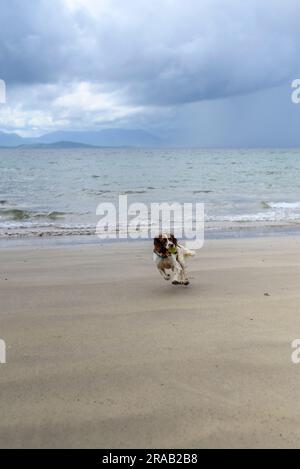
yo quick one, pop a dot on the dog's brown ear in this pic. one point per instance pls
(174, 240)
(157, 243)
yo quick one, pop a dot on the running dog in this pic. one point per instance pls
(168, 254)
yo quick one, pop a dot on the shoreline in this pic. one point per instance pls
(55, 239)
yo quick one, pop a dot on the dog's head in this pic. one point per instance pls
(165, 243)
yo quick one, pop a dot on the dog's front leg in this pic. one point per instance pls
(163, 274)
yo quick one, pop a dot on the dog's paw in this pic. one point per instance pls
(167, 277)
(185, 283)
(175, 282)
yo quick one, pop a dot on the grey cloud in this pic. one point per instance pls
(36, 40)
(160, 52)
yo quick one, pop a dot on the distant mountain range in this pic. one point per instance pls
(69, 139)
(55, 145)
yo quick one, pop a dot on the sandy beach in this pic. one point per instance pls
(102, 352)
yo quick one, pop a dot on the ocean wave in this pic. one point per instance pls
(134, 192)
(281, 205)
(22, 214)
(267, 216)
(96, 191)
(202, 192)
(15, 213)
(54, 215)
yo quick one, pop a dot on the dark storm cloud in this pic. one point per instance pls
(35, 40)
(159, 52)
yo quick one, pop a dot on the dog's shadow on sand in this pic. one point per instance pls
(167, 290)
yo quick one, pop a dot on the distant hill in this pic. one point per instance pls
(105, 137)
(55, 145)
(10, 140)
(68, 139)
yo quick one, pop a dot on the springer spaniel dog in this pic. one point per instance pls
(168, 254)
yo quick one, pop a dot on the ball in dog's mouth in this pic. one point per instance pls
(172, 249)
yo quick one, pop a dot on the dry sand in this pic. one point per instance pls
(102, 352)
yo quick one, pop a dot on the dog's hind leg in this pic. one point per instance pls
(177, 272)
(184, 277)
(183, 272)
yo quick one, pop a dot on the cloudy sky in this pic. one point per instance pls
(198, 72)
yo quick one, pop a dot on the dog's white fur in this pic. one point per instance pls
(174, 262)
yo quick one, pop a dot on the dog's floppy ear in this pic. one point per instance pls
(157, 242)
(174, 240)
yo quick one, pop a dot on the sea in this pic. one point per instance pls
(55, 193)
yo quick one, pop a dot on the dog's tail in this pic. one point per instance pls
(187, 252)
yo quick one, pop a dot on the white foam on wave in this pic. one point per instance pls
(284, 205)
(267, 216)
(274, 212)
